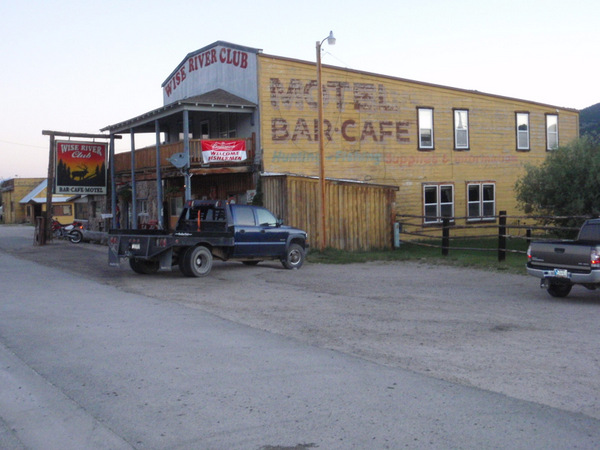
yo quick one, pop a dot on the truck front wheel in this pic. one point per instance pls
(197, 262)
(559, 290)
(294, 257)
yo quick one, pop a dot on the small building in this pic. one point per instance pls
(63, 206)
(234, 114)
(13, 191)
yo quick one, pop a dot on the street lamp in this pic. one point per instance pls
(323, 226)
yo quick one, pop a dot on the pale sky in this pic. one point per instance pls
(79, 65)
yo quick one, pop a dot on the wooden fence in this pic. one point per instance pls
(359, 216)
(503, 227)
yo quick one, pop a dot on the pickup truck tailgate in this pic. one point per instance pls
(567, 255)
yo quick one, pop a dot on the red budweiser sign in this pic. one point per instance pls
(219, 151)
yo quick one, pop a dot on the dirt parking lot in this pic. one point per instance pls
(495, 331)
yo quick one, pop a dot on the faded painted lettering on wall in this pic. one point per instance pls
(339, 97)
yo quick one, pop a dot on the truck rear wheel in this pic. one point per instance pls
(294, 257)
(144, 266)
(197, 262)
(559, 290)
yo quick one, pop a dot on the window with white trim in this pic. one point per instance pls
(425, 119)
(522, 131)
(438, 202)
(461, 129)
(551, 131)
(481, 201)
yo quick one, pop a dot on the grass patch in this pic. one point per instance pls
(463, 256)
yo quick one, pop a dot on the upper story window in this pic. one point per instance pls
(227, 124)
(425, 119)
(461, 129)
(438, 202)
(205, 129)
(522, 131)
(551, 131)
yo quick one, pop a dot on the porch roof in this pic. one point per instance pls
(218, 100)
(38, 195)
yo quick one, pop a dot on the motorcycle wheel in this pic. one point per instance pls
(75, 236)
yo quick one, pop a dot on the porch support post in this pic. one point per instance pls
(186, 151)
(49, 187)
(159, 192)
(113, 184)
(134, 225)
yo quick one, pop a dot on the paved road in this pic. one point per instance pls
(108, 360)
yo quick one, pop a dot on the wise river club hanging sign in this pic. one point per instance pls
(80, 168)
(223, 151)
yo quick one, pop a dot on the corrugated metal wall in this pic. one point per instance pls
(359, 216)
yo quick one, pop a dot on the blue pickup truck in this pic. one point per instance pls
(209, 229)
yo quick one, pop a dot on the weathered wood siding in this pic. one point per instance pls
(371, 132)
(359, 215)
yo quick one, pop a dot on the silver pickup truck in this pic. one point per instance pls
(562, 264)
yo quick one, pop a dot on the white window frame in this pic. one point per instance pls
(523, 135)
(425, 124)
(481, 202)
(461, 128)
(442, 209)
(551, 135)
(142, 205)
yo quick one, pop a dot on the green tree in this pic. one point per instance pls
(566, 184)
(589, 122)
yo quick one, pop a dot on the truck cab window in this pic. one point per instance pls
(243, 215)
(265, 218)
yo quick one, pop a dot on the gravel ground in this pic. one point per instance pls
(495, 331)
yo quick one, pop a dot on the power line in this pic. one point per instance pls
(21, 145)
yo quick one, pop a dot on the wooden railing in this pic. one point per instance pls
(145, 158)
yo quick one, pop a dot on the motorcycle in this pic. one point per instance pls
(72, 232)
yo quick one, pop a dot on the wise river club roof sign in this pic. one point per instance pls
(80, 168)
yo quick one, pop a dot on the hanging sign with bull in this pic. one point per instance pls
(80, 168)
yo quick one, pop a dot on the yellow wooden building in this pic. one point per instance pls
(431, 150)
(12, 192)
(34, 202)
(450, 152)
